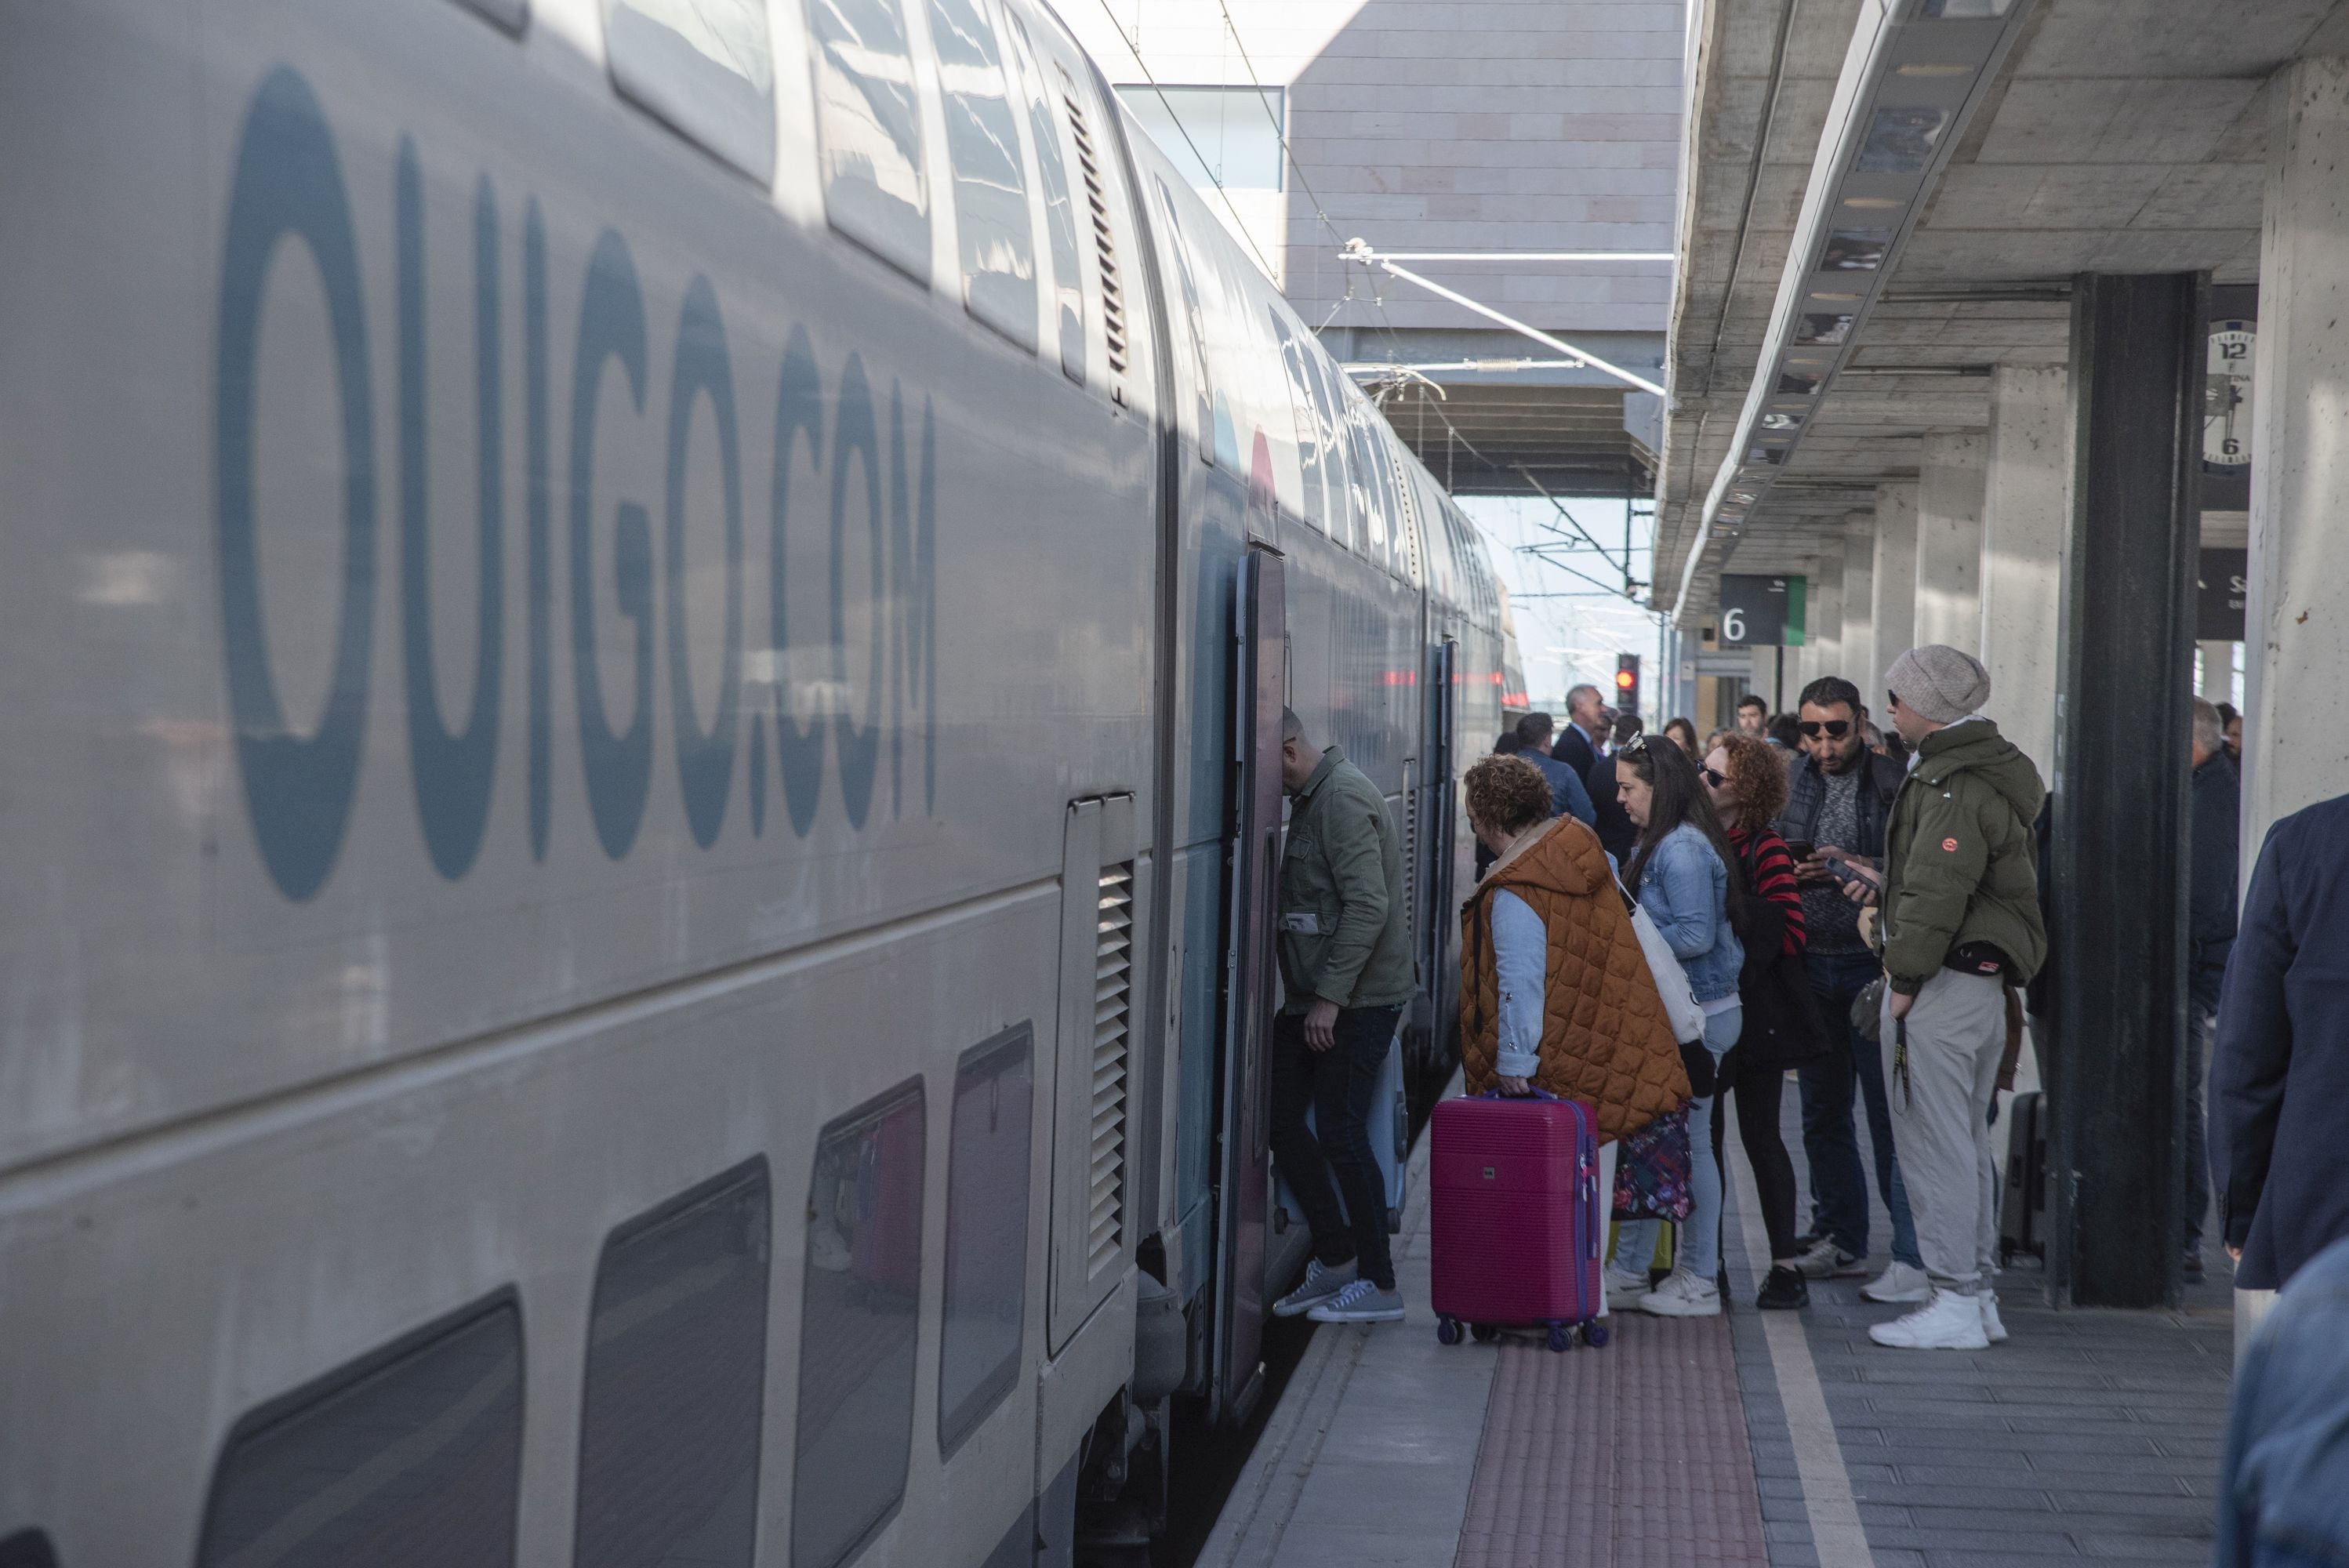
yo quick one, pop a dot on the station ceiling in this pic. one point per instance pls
(2115, 136)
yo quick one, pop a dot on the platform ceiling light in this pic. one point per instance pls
(1916, 73)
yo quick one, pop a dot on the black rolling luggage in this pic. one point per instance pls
(2023, 1207)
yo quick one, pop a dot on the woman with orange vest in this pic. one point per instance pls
(1555, 991)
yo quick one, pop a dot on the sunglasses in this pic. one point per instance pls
(1718, 780)
(1637, 743)
(1833, 728)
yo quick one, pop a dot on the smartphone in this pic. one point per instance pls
(1799, 847)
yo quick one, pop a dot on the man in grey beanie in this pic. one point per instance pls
(1960, 923)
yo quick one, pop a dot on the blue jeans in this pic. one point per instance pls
(1700, 1248)
(2284, 1491)
(1830, 1086)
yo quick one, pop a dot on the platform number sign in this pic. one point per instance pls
(1761, 611)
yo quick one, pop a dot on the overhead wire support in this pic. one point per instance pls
(1360, 250)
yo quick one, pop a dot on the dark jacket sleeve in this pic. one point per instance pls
(1615, 833)
(2251, 1053)
(1942, 865)
(2211, 883)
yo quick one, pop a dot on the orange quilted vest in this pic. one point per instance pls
(1605, 1038)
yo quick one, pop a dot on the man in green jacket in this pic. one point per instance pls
(1345, 976)
(1960, 923)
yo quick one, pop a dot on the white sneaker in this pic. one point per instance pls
(1625, 1291)
(1682, 1295)
(1992, 1329)
(1947, 1321)
(1900, 1283)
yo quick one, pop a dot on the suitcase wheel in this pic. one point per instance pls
(1561, 1337)
(1447, 1331)
(1485, 1333)
(1594, 1335)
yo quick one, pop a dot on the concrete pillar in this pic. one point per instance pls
(2296, 650)
(1823, 649)
(1949, 542)
(1859, 665)
(1764, 678)
(2218, 684)
(2026, 504)
(1895, 584)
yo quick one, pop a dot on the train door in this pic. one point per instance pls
(1438, 852)
(1252, 851)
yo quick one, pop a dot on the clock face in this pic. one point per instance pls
(2227, 397)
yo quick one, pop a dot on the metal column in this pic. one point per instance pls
(2121, 818)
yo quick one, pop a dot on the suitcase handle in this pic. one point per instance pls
(1540, 1093)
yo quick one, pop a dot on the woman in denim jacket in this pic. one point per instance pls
(1682, 871)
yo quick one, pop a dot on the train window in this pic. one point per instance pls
(1300, 412)
(1368, 508)
(27, 1549)
(677, 1362)
(869, 125)
(412, 1454)
(1060, 209)
(706, 67)
(991, 216)
(986, 1230)
(1329, 412)
(857, 1326)
(1187, 274)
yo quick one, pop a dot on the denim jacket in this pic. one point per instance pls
(1685, 888)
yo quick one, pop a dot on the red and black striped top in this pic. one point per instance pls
(1772, 868)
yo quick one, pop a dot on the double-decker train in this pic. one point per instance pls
(643, 643)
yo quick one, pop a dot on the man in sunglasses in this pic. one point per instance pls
(1840, 797)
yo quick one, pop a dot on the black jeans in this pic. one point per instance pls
(1759, 1092)
(1338, 1084)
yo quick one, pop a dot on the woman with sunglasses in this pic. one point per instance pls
(1683, 871)
(1747, 779)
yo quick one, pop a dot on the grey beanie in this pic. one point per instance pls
(1942, 684)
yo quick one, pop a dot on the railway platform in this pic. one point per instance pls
(1774, 1441)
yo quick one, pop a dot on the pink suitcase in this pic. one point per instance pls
(1518, 1230)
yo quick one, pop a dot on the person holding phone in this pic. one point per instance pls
(1839, 797)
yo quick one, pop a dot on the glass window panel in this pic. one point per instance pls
(1293, 355)
(1371, 515)
(411, 1455)
(857, 1320)
(1068, 290)
(705, 66)
(1214, 134)
(676, 1373)
(991, 216)
(987, 1231)
(869, 128)
(1336, 482)
(1186, 273)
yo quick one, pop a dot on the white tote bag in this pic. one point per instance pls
(1671, 981)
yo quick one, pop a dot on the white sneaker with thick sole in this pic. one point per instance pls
(1947, 1322)
(1899, 1284)
(1625, 1291)
(1322, 1283)
(1992, 1329)
(1682, 1295)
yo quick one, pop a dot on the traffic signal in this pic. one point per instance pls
(1627, 683)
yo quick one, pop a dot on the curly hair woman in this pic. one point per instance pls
(1553, 992)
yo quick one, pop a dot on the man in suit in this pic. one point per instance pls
(1587, 724)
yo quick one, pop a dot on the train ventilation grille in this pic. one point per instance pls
(1113, 1030)
(1410, 848)
(1105, 243)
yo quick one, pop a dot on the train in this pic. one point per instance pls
(644, 645)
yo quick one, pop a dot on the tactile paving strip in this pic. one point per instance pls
(1631, 1455)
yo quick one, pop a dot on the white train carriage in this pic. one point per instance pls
(637, 635)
